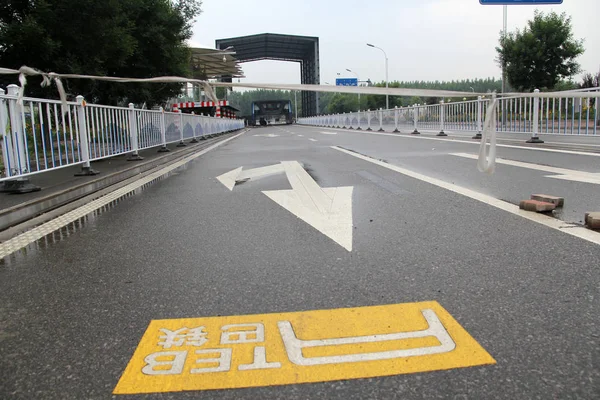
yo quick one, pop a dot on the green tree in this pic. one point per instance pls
(128, 38)
(342, 103)
(590, 81)
(541, 54)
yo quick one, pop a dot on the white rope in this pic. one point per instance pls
(487, 163)
(47, 78)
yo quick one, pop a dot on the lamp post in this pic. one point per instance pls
(387, 97)
(296, 105)
(357, 79)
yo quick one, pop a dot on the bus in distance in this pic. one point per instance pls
(271, 112)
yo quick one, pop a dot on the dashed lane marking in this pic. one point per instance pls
(565, 227)
(562, 173)
(582, 153)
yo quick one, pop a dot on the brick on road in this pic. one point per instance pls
(557, 201)
(536, 206)
(592, 220)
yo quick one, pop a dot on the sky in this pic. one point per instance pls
(423, 39)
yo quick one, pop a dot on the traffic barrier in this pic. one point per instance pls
(41, 135)
(574, 112)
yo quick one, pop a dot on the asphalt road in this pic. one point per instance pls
(74, 305)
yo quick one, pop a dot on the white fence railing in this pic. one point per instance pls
(41, 135)
(566, 113)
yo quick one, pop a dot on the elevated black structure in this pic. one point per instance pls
(271, 46)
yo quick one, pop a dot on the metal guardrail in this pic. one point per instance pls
(41, 135)
(564, 113)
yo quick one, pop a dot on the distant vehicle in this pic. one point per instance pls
(271, 112)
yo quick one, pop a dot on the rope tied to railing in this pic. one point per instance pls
(49, 77)
(487, 163)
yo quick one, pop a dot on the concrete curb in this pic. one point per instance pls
(25, 211)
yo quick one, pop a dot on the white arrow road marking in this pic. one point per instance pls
(309, 191)
(563, 173)
(336, 224)
(230, 178)
(328, 210)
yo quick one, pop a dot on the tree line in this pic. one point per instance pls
(147, 38)
(127, 38)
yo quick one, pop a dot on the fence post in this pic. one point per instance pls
(15, 146)
(133, 133)
(369, 120)
(536, 120)
(163, 133)
(479, 118)
(344, 120)
(86, 168)
(442, 119)
(202, 123)
(350, 119)
(416, 120)
(194, 140)
(396, 116)
(17, 131)
(381, 120)
(181, 144)
(6, 146)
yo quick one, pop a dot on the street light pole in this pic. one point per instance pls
(296, 104)
(387, 97)
(504, 27)
(357, 80)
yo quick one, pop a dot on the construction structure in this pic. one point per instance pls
(270, 46)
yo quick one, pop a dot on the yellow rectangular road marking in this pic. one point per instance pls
(298, 347)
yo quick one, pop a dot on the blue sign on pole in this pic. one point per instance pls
(516, 2)
(346, 82)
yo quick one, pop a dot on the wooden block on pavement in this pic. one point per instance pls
(536, 206)
(592, 220)
(557, 201)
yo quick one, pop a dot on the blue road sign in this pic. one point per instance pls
(346, 82)
(517, 2)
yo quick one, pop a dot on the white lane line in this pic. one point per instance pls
(26, 238)
(563, 173)
(581, 153)
(565, 227)
(300, 135)
(563, 143)
(509, 146)
(313, 140)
